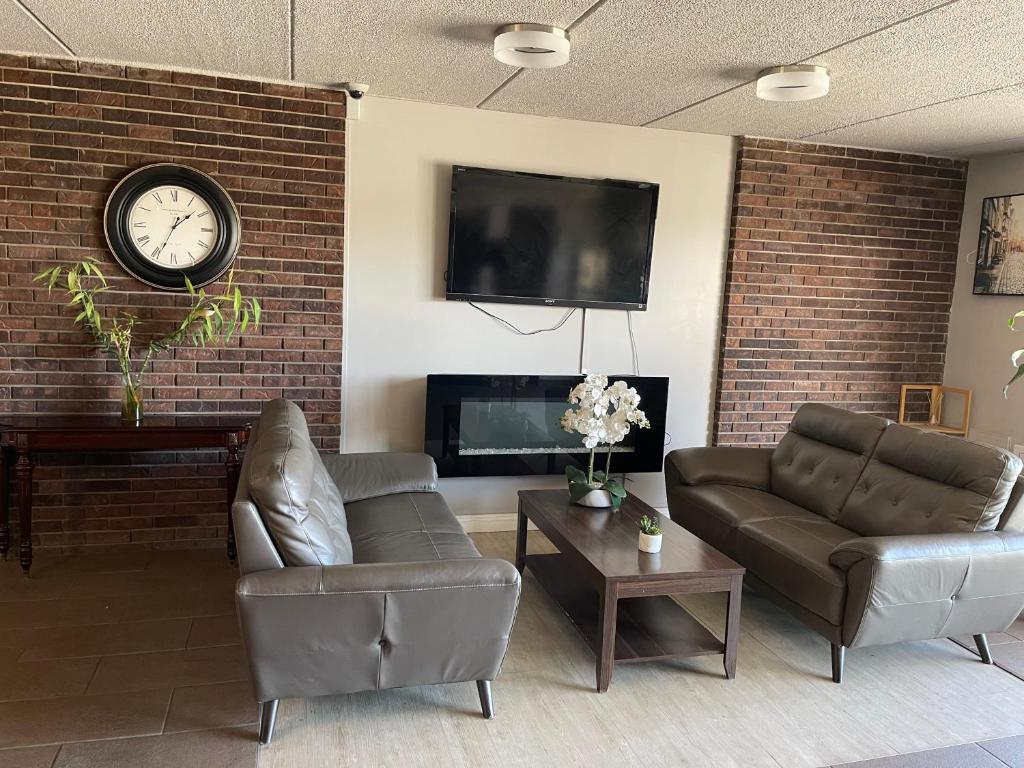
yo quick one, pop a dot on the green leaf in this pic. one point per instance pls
(189, 287)
(1017, 375)
(578, 490)
(575, 474)
(237, 301)
(614, 487)
(256, 312)
(245, 320)
(599, 476)
(209, 325)
(1015, 358)
(616, 501)
(1013, 319)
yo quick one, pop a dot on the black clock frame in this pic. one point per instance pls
(139, 183)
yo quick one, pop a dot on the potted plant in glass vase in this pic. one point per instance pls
(208, 319)
(603, 415)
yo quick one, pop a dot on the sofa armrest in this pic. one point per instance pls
(930, 586)
(366, 475)
(320, 630)
(748, 467)
(933, 546)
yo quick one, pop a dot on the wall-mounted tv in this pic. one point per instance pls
(529, 238)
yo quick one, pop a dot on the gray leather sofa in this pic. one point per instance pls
(868, 531)
(356, 575)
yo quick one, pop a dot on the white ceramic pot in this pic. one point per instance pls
(649, 543)
(596, 498)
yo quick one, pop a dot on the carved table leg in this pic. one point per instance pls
(232, 466)
(5, 525)
(24, 472)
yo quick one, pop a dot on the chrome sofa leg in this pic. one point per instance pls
(483, 687)
(268, 717)
(838, 662)
(983, 650)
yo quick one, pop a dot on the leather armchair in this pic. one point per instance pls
(356, 575)
(869, 532)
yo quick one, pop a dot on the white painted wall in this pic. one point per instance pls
(978, 353)
(398, 327)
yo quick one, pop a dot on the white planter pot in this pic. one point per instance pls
(596, 498)
(650, 544)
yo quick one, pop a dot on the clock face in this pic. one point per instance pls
(172, 227)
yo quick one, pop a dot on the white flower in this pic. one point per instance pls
(605, 413)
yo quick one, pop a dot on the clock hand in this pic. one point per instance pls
(169, 233)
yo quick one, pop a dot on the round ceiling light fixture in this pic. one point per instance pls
(534, 46)
(796, 82)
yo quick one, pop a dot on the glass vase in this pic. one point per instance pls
(131, 401)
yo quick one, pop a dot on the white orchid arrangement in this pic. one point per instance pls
(604, 415)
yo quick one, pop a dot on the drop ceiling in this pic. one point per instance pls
(939, 77)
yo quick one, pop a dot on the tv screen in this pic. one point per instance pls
(528, 238)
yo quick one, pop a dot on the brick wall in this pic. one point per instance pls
(70, 131)
(839, 281)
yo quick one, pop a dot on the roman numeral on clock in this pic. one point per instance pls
(200, 215)
(144, 239)
(206, 229)
(158, 198)
(174, 195)
(202, 244)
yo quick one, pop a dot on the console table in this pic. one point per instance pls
(23, 437)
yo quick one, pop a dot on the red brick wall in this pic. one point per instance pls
(70, 131)
(839, 281)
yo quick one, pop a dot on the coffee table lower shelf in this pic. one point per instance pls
(647, 628)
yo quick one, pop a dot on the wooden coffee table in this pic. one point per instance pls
(616, 595)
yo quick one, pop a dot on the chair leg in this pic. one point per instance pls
(268, 717)
(838, 662)
(983, 650)
(483, 687)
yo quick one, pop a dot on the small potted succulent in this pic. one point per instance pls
(603, 415)
(650, 533)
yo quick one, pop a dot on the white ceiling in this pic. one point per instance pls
(932, 76)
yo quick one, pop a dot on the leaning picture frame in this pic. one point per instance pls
(999, 260)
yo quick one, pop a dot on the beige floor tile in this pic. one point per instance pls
(45, 679)
(202, 707)
(28, 757)
(76, 718)
(166, 669)
(106, 639)
(173, 605)
(214, 630)
(60, 613)
(962, 756)
(228, 748)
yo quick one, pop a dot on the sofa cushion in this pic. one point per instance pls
(715, 512)
(791, 555)
(924, 482)
(406, 527)
(817, 463)
(297, 500)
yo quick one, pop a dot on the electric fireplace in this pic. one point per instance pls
(486, 425)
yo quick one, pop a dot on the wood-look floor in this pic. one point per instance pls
(133, 661)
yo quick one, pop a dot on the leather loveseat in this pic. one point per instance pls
(356, 575)
(869, 532)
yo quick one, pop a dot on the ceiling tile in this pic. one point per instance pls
(248, 37)
(996, 116)
(948, 53)
(634, 62)
(430, 50)
(19, 32)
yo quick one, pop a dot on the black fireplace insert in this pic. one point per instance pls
(488, 425)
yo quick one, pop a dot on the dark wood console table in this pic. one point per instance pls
(23, 437)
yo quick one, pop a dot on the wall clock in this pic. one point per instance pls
(166, 222)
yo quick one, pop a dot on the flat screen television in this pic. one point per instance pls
(529, 238)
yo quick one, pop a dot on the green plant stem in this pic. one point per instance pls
(608, 464)
(590, 469)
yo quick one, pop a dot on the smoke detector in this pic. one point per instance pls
(533, 46)
(796, 82)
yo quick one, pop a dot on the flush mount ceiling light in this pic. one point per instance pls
(534, 46)
(797, 82)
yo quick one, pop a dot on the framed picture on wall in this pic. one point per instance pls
(999, 262)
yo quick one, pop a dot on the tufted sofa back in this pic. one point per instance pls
(923, 482)
(817, 463)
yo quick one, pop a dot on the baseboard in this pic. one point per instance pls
(505, 521)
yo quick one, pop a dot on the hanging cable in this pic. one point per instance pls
(521, 332)
(632, 344)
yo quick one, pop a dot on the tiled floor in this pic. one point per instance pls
(123, 660)
(133, 661)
